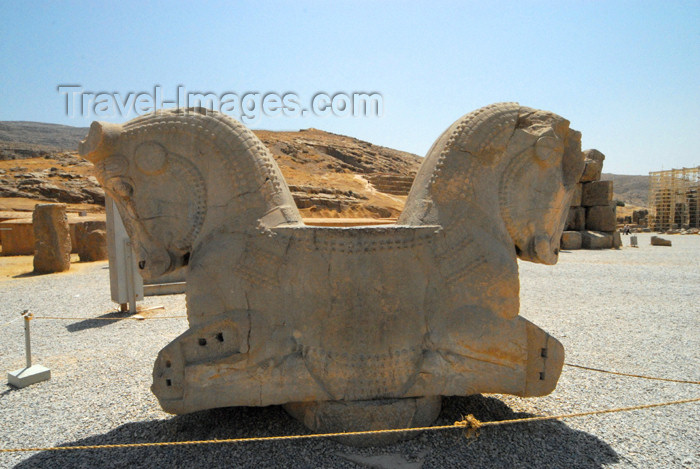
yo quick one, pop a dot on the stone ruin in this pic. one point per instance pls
(592, 221)
(354, 328)
(51, 238)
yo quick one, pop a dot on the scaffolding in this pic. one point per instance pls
(673, 199)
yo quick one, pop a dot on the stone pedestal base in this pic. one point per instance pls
(380, 414)
(25, 376)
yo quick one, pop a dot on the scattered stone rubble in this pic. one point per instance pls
(656, 241)
(55, 184)
(591, 223)
(87, 235)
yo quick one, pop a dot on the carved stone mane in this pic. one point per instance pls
(204, 173)
(336, 323)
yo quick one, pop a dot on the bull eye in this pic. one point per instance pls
(151, 158)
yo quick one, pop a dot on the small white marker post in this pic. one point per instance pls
(31, 373)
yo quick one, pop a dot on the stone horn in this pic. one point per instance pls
(99, 141)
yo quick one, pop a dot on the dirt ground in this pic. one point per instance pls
(23, 266)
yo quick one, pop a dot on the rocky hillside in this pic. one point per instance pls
(329, 175)
(632, 190)
(29, 139)
(58, 177)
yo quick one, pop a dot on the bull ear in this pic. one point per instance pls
(99, 141)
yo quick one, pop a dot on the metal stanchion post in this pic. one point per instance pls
(130, 287)
(31, 373)
(27, 337)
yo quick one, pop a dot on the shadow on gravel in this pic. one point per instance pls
(99, 321)
(28, 274)
(10, 389)
(543, 444)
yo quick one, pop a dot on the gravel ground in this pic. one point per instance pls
(630, 310)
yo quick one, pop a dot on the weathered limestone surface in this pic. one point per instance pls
(52, 244)
(596, 240)
(597, 193)
(338, 416)
(576, 220)
(601, 218)
(345, 325)
(617, 240)
(576, 198)
(571, 240)
(592, 208)
(593, 165)
(91, 240)
(17, 237)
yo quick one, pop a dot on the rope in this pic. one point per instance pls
(471, 423)
(631, 375)
(10, 322)
(25, 314)
(109, 319)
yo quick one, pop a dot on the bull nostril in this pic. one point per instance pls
(556, 252)
(142, 265)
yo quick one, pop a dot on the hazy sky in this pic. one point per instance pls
(626, 74)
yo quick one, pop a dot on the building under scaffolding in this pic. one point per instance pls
(673, 199)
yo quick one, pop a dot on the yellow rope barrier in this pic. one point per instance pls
(631, 375)
(109, 319)
(471, 423)
(10, 322)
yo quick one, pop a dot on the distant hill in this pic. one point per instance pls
(326, 172)
(329, 175)
(20, 139)
(633, 190)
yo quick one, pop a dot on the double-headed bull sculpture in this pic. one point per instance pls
(348, 328)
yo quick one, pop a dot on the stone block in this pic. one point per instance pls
(597, 193)
(571, 240)
(17, 237)
(576, 198)
(75, 220)
(601, 218)
(576, 220)
(617, 240)
(336, 416)
(91, 240)
(656, 241)
(596, 240)
(52, 245)
(593, 166)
